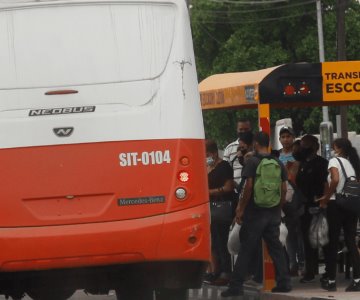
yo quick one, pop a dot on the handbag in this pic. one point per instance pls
(221, 211)
(349, 198)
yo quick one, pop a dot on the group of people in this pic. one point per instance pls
(304, 177)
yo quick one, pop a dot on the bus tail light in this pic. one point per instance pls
(180, 194)
(184, 160)
(183, 176)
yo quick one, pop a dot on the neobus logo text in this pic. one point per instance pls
(159, 157)
(61, 111)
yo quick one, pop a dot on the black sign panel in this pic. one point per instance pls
(300, 82)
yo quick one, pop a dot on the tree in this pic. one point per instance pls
(231, 37)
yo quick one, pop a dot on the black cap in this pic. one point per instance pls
(288, 130)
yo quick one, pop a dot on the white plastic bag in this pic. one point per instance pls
(289, 192)
(319, 231)
(283, 233)
(234, 240)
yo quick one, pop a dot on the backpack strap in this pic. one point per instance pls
(342, 168)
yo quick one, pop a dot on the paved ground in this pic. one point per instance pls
(309, 291)
(314, 292)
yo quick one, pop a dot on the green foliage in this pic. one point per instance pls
(230, 37)
(220, 125)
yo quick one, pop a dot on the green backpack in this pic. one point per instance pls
(267, 187)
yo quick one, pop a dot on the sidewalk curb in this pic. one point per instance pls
(278, 296)
(213, 293)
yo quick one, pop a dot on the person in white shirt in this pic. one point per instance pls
(231, 150)
(338, 217)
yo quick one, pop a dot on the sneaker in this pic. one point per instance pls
(232, 291)
(281, 289)
(324, 278)
(253, 284)
(353, 287)
(326, 285)
(209, 278)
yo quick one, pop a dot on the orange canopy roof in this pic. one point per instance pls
(232, 89)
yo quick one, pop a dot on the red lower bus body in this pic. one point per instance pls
(62, 222)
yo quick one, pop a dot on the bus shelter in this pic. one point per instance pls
(284, 86)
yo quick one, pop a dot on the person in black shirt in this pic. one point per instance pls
(221, 187)
(311, 179)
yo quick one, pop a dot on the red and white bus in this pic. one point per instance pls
(103, 181)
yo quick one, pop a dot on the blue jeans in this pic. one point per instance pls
(257, 225)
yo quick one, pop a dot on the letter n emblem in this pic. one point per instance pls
(63, 131)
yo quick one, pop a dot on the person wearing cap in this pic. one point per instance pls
(286, 138)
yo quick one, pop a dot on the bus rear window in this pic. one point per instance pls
(49, 46)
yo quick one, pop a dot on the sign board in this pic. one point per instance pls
(341, 81)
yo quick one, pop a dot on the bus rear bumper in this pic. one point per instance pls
(177, 236)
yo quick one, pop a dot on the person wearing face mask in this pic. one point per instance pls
(338, 218)
(244, 151)
(311, 180)
(221, 187)
(231, 151)
(241, 152)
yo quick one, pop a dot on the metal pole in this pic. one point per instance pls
(341, 55)
(325, 109)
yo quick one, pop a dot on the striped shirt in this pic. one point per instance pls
(229, 155)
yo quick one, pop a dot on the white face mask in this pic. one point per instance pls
(210, 161)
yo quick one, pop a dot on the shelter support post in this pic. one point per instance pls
(264, 117)
(268, 270)
(268, 266)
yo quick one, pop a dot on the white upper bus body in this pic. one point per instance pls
(101, 142)
(101, 70)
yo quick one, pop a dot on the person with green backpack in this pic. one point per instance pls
(259, 213)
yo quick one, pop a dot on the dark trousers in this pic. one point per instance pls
(294, 242)
(337, 219)
(311, 255)
(219, 239)
(257, 225)
(256, 264)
